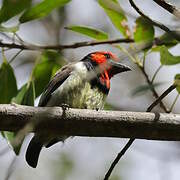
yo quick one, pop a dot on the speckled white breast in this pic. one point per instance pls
(76, 91)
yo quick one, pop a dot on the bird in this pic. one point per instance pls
(84, 84)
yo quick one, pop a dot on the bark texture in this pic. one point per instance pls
(83, 122)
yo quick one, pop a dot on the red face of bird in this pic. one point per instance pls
(108, 63)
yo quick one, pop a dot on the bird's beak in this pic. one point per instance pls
(118, 67)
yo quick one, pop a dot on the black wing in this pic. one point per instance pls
(56, 81)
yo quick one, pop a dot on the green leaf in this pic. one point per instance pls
(142, 89)
(177, 82)
(8, 86)
(166, 57)
(116, 15)
(56, 67)
(29, 96)
(144, 31)
(2, 133)
(42, 9)
(10, 136)
(42, 72)
(20, 95)
(26, 95)
(12, 29)
(89, 31)
(11, 8)
(168, 40)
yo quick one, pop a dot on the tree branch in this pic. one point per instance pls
(153, 90)
(174, 34)
(158, 100)
(56, 121)
(131, 140)
(60, 47)
(170, 8)
(118, 157)
(26, 46)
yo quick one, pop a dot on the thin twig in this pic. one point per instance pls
(144, 59)
(60, 47)
(163, 95)
(131, 140)
(142, 68)
(156, 72)
(14, 57)
(27, 46)
(154, 92)
(174, 102)
(127, 53)
(155, 23)
(170, 8)
(6, 36)
(19, 38)
(118, 157)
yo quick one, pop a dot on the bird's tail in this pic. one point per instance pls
(33, 151)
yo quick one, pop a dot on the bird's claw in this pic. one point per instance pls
(65, 107)
(14, 104)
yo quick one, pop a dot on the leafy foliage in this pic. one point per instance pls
(166, 57)
(8, 87)
(91, 32)
(144, 31)
(168, 40)
(26, 94)
(9, 136)
(116, 15)
(20, 95)
(41, 10)
(177, 82)
(10, 8)
(49, 63)
(29, 94)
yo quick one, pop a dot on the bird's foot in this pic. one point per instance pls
(15, 104)
(64, 107)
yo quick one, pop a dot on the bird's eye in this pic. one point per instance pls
(107, 56)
